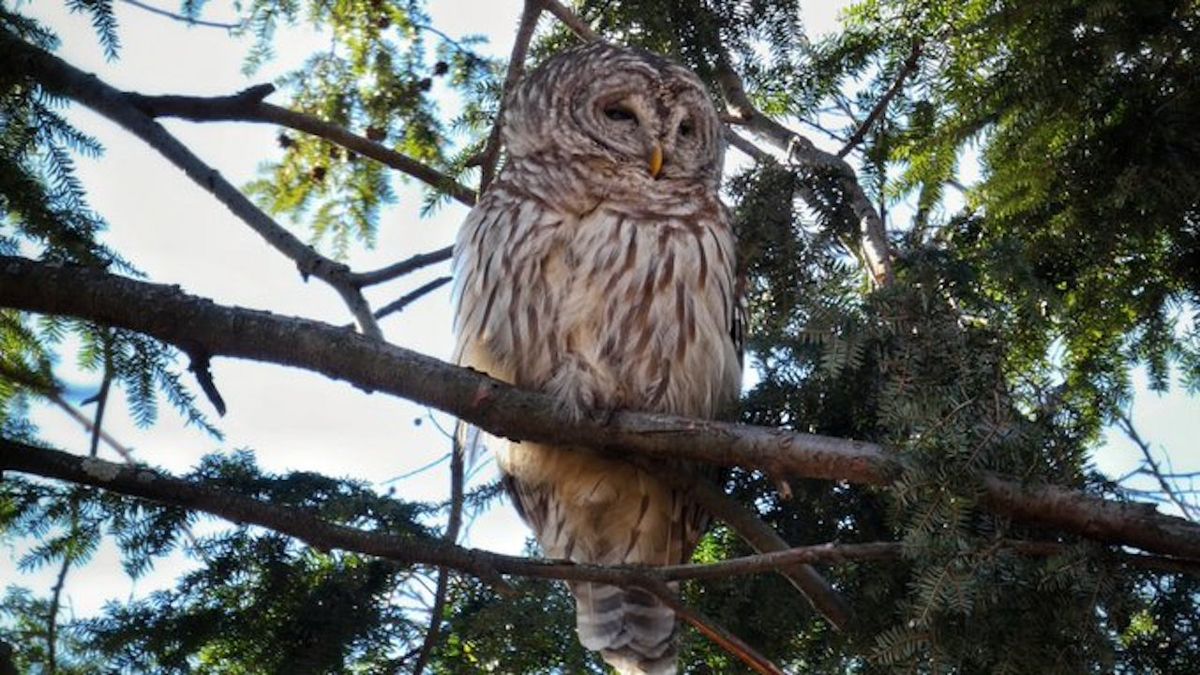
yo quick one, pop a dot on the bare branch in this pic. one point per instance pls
(434, 632)
(763, 539)
(401, 268)
(1152, 467)
(172, 316)
(906, 69)
(719, 635)
(490, 156)
(60, 77)
(179, 17)
(876, 251)
(248, 106)
(571, 20)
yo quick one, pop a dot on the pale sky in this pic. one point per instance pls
(179, 234)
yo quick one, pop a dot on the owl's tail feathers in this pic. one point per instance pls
(632, 629)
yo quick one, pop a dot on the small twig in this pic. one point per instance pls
(406, 266)
(1153, 469)
(185, 19)
(490, 157)
(200, 367)
(434, 632)
(52, 618)
(910, 65)
(124, 451)
(101, 401)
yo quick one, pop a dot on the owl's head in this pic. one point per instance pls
(619, 115)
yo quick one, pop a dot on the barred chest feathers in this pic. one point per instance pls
(616, 308)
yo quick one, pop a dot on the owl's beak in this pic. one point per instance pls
(656, 160)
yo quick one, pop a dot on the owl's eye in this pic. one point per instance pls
(686, 129)
(618, 113)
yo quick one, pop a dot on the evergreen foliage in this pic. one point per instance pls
(1024, 298)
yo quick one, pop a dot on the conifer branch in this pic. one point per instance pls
(168, 314)
(323, 535)
(60, 77)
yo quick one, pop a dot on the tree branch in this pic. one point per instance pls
(876, 251)
(248, 106)
(59, 77)
(910, 65)
(179, 17)
(401, 268)
(320, 534)
(571, 20)
(407, 299)
(490, 156)
(763, 539)
(172, 316)
(454, 524)
(1153, 469)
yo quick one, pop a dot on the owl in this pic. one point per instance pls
(599, 268)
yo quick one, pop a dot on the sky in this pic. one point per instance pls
(294, 420)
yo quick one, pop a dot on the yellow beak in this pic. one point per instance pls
(656, 160)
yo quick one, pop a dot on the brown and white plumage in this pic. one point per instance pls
(599, 268)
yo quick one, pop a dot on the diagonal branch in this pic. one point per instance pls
(1126, 424)
(248, 106)
(571, 20)
(167, 313)
(59, 77)
(401, 268)
(490, 157)
(909, 65)
(801, 152)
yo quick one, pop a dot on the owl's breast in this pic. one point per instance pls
(616, 308)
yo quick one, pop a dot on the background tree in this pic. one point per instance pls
(1005, 226)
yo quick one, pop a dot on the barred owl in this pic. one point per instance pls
(599, 268)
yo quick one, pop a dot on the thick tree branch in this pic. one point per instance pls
(170, 315)
(59, 77)
(248, 106)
